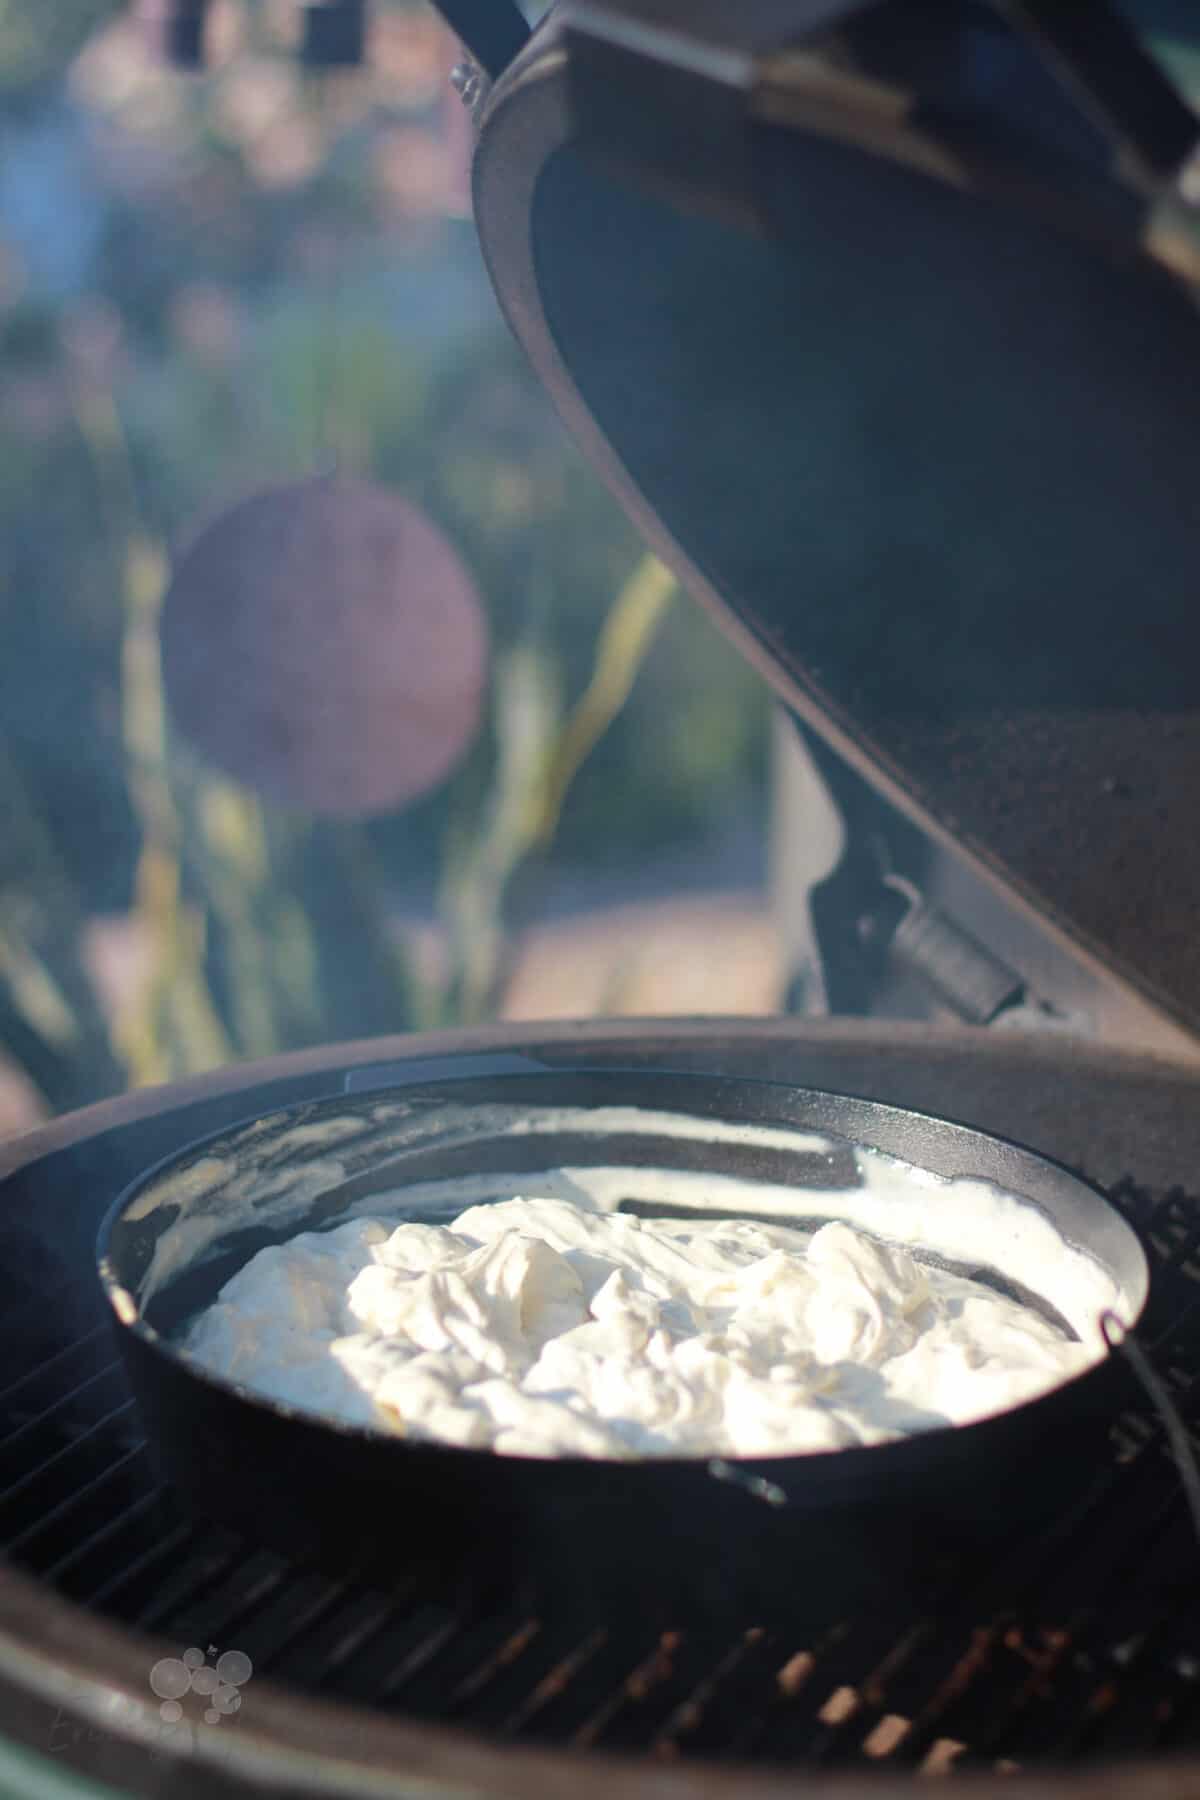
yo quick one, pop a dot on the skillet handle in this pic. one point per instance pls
(1121, 1338)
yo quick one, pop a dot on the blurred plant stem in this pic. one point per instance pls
(172, 1027)
(490, 876)
(257, 270)
(286, 939)
(480, 865)
(260, 932)
(625, 639)
(50, 1018)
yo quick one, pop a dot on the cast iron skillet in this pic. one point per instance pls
(809, 1534)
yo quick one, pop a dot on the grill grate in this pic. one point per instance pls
(1084, 1643)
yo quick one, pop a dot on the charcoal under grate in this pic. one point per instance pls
(1082, 1643)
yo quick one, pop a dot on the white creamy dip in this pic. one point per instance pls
(539, 1327)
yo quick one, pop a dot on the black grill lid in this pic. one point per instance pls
(887, 346)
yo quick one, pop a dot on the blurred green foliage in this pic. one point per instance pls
(36, 42)
(209, 284)
(267, 274)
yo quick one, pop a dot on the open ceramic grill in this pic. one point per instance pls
(883, 335)
(1078, 1645)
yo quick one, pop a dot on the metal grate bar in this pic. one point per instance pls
(710, 1711)
(884, 1669)
(1179, 1697)
(1116, 1699)
(365, 1619)
(39, 1325)
(17, 1439)
(1172, 1221)
(939, 1654)
(844, 1685)
(1019, 1655)
(1171, 1562)
(308, 1599)
(51, 1523)
(458, 1665)
(100, 1542)
(598, 1668)
(35, 1487)
(796, 1669)
(650, 1692)
(216, 1614)
(434, 1630)
(1094, 1566)
(552, 1686)
(1069, 1678)
(537, 1657)
(505, 1656)
(50, 1369)
(147, 1586)
(853, 1707)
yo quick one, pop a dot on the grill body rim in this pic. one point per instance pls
(54, 1653)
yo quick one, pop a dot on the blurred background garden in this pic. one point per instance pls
(211, 285)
